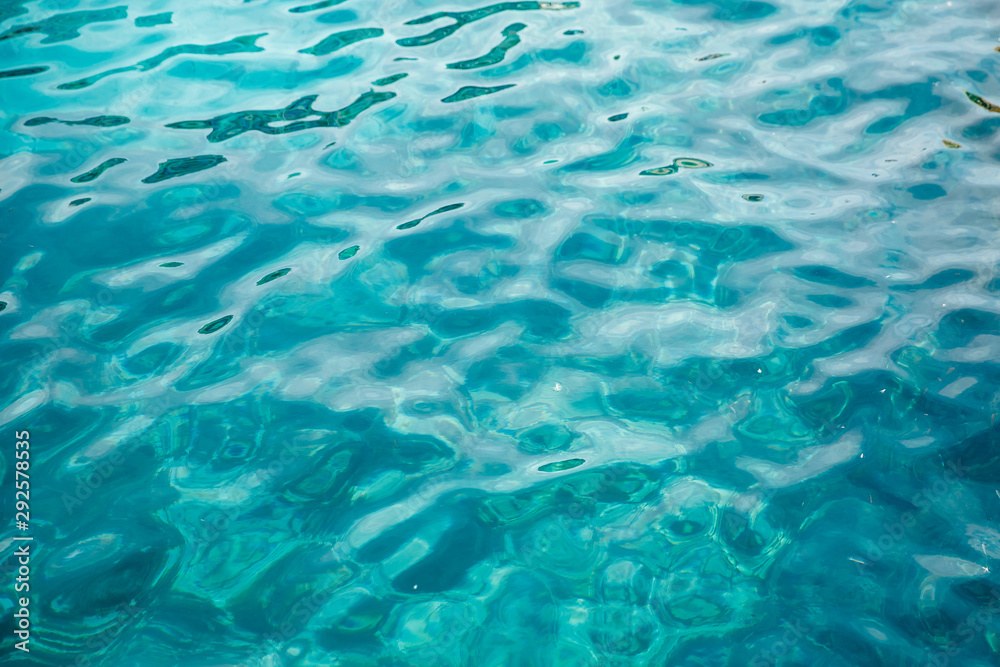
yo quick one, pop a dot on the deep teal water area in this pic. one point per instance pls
(416, 332)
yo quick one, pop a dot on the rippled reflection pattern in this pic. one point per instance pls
(611, 333)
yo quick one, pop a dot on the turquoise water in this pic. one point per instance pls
(535, 333)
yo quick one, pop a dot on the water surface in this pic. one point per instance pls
(530, 333)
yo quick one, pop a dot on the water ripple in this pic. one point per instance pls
(576, 333)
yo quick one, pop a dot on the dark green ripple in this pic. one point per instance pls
(96, 121)
(469, 92)
(245, 44)
(464, 18)
(153, 20)
(23, 71)
(183, 166)
(497, 53)
(300, 111)
(215, 325)
(339, 40)
(63, 27)
(98, 170)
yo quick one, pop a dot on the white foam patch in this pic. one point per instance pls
(812, 462)
(951, 567)
(23, 405)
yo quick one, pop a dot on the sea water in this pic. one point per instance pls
(422, 332)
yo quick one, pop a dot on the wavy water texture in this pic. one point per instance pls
(245, 44)
(339, 40)
(576, 333)
(98, 170)
(300, 111)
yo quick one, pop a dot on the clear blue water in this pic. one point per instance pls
(540, 333)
